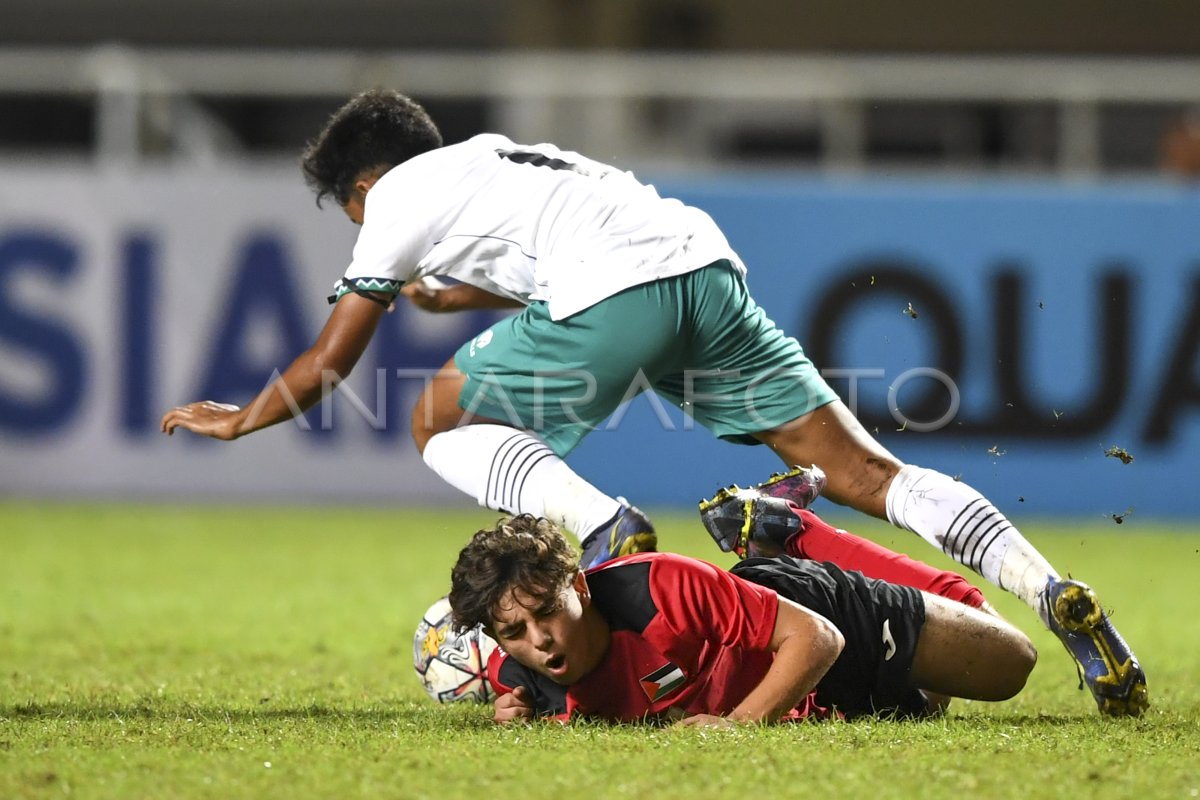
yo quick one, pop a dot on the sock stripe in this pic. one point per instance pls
(984, 540)
(951, 541)
(982, 528)
(967, 540)
(529, 458)
(496, 478)
(511, 466)
(515, 460)
(511, 454)
(996, 537)
(541, 457)
(491, 492)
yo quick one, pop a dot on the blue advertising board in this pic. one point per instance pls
(1032, 337)
(1040, 339)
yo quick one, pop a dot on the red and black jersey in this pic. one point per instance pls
(687, 636)
(690, 638)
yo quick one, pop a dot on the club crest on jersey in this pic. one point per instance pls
(662, 681)
(481, 341)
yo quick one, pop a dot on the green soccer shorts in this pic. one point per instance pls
(698, 340)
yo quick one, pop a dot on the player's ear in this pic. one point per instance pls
(367, 178)
(364, 184)
(581, 589)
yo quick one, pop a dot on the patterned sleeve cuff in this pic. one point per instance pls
(345, 286)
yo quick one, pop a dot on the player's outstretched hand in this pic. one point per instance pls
(218, 420)
(706, 721)
(513, 706)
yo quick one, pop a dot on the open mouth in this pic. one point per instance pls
(556, 663)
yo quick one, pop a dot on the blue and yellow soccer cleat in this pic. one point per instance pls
(1106, 664)
(628, 532)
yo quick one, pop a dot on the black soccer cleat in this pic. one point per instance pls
(760, 521)
(745, 522)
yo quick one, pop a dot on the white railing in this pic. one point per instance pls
(591, 100)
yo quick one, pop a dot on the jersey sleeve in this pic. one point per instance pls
(550, 700)
(704, 602)
(495, 659)
(396, 233)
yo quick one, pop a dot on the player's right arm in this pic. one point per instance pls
(514, 706)
(522, 695)
(313, 374)
(458, 297)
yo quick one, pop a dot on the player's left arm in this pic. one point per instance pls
(805, 645)
(302, 385)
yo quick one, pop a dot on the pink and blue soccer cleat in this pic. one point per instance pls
(801, 486)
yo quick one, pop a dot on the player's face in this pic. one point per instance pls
(555, 636)
(354, 208)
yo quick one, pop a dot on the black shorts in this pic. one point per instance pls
(880, 622)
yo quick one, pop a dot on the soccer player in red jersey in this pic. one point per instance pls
(659, 636)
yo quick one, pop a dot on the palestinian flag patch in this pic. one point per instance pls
(662, 681)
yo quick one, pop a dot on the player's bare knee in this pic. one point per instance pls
(424, 424)
(1025, 658)
(967, 653)
(436, 409)
(938, 703)
(1013, 661)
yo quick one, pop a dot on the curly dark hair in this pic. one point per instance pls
(524, 551)
(377, 129)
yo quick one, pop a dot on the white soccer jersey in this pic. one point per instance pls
(528, 223)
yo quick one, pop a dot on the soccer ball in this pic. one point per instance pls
(452, 666)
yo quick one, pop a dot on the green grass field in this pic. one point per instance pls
(157, 651)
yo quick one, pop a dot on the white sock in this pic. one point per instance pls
(962, 522)
(515, 472)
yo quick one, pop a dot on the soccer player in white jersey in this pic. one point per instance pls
(623, 290)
